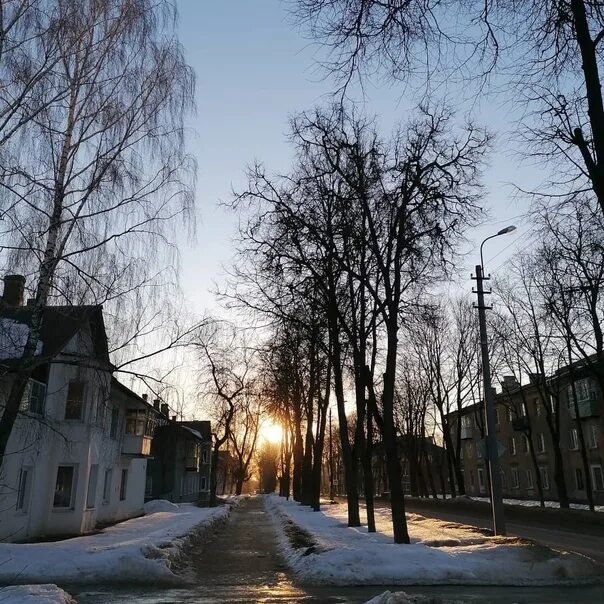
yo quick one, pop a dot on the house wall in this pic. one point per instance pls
(519, 462)
(42, 444)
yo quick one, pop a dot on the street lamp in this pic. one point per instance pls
(492, 454)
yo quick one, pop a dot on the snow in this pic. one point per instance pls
(13, 336)
(532, 503)
(38, 594)
(159, 505)
(400, 597)
(440, 553)
(140, 549)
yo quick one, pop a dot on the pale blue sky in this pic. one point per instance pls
(254, 69)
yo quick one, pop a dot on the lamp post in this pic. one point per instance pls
(492, 454)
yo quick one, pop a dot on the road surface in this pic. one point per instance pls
(561, 538)
(239, 562)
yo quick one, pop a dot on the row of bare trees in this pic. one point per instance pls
(336, 254)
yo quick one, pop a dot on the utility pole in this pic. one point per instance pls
(492, 454)
(331, 491)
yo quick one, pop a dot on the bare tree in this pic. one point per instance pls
(103, 173)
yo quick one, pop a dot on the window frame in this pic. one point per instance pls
(107, 480)
(594, 483)
(528, 474)
(24, 490)
(73, 487)
(515, 477)
(544, 473)
(124, 484)
(82, 401)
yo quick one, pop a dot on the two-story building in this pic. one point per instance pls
(179, 468)
(77, 454)
(526, 442)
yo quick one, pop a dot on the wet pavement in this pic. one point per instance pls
(239, 561)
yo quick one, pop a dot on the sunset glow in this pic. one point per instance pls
(271, 432)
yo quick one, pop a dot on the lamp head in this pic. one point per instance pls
(508, 229)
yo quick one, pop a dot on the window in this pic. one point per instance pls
(107, 486)
(594, 436)
(466, 422)
(115, 414)
(522, 410)
(149, 485)
(515, 480)
(512, 445)
(123, 484)
(472, 481)
(525, 443)
(503, 479)
(204, 455)
(597, 478)
(64, 487)
(579, 482)
(92, 480)
(37, 395)
(574, 439)
(537, 408)
(529, 479)
(584, 389)
(496, 416)
(74, 406)
(540, 443)
(469, 450)
(481, 483)
(24, 489)
(479, 449)
(544, 477)
(204, 483)
(510, 415)
(136, 421)
(552, 404)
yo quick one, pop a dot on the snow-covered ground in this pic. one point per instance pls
(441, 552)
(141, 549)
(34, 594)
(532, 503)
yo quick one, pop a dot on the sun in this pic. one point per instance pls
(271, 432)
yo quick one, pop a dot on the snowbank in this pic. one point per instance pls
(400, 597)
(531, 503)
(141, 549)
(36, 594)
(159, 505)
(440, 553)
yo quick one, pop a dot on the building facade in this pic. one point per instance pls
(179, 468)
(77, 455)
(535, 423)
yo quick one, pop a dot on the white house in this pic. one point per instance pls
(77, 455)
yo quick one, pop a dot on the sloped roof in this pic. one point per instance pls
(61, 323)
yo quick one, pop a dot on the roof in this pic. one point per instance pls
(131, 394)
(200, 430)
(60, 324)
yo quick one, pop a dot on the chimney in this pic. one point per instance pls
(14, 286)
(145, 397)
(156, 404)
(174, 418)
(509, 383)
(165, 410)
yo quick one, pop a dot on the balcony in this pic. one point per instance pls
(587, 408)
(520, 424)
(136, 445)
(466, 433)
(192, 463)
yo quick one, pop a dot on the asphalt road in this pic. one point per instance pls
(561, 538)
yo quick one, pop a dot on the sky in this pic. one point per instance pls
(254, 70)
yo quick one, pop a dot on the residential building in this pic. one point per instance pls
(77, 454)
(525, 440)
(179, 468)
